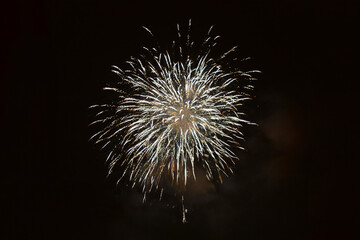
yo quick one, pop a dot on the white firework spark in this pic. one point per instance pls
(181, 110)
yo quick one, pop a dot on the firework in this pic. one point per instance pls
(180, 110)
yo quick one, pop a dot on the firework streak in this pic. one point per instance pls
(180, 110)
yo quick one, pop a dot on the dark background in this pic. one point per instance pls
(296, 180)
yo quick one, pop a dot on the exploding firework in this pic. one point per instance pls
(179, 111)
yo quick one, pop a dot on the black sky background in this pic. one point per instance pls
(296, 179)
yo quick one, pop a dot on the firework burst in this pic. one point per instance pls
(180, 110)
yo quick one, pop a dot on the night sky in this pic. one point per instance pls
(296, 179)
